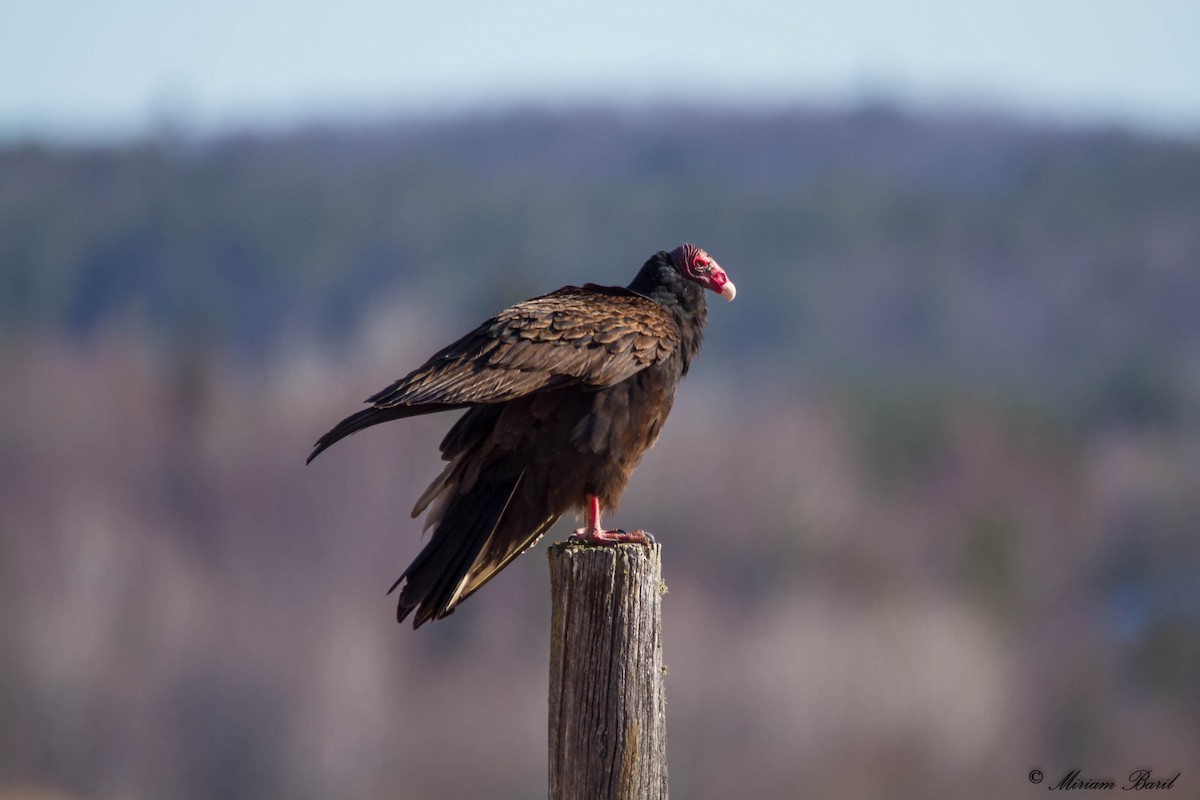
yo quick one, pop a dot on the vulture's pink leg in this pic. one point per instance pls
(594, 534)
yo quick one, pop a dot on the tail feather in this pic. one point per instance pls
(372, 416)
(433, 583)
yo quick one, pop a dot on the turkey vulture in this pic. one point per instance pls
(564, 395)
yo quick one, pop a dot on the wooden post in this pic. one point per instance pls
(608, 726)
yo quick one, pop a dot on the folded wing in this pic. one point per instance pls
(593, 336)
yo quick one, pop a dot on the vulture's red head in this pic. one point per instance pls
(698, 266)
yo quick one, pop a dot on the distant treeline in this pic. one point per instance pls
(866, 244)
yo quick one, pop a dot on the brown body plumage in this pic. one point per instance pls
(565, 393)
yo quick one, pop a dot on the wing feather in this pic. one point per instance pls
(591, 335)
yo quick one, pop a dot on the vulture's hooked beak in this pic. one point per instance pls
(728, 291)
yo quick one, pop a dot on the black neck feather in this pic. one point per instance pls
(659, 281)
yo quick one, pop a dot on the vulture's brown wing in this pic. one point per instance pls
(591, 335)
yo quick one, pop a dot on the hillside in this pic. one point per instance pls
(927, 498)
(869, 242)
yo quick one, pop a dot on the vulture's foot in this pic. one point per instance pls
(597, 536)
(594, 533)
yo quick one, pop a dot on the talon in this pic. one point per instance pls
(610, 538)
(594, 534)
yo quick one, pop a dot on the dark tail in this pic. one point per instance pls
(434, 582)
(372, 416)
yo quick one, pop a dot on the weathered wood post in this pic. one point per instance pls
(608, 728)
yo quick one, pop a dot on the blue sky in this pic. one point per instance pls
(84, 69)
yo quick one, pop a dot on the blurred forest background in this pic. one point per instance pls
(928, 499)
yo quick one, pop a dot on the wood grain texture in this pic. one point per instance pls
(608, 736)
